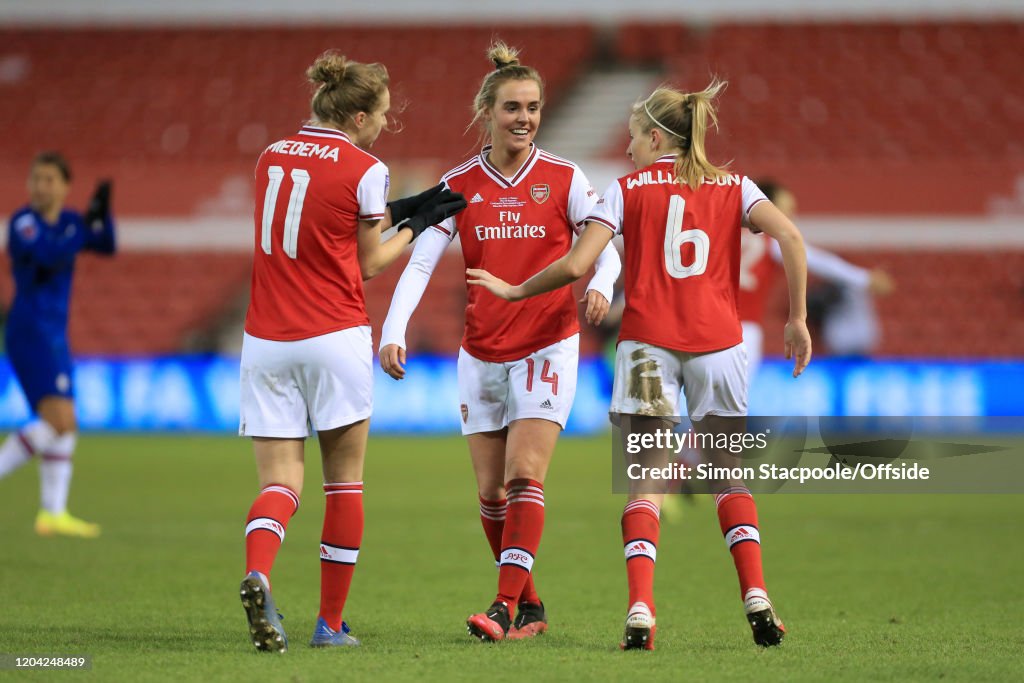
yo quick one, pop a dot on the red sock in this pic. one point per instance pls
(737, 516)
(640, 527)
(265, 527)
(492, 517)
(520, 539)
(339, 547)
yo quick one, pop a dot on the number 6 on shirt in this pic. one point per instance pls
(300, 181)
(676, 237)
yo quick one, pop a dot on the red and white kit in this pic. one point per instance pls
(307, 354)
(760, 260)
(680, 323)
(519, 359)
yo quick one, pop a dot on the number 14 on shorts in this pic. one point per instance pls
(545, 375)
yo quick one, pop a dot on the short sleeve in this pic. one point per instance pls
(608, 210)
(372, 193)
(582, 198)
(751, 194)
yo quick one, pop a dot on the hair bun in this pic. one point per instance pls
(328, 70)
(502, 55)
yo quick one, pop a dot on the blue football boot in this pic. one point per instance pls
(264, 619)
(324, 636)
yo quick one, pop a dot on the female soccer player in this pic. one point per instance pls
(680, 217)
(43, 241)
(517, 363)
(321, 204)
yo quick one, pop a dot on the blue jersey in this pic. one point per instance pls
(43, 262)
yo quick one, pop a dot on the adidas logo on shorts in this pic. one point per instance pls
(476, 199)
(547, 404)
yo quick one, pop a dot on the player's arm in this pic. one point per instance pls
(99, 223)
(375, 256)
(601, 287)
(600, 290)
(411, 286)
(564, 271)
(834, 268)
(766, 217)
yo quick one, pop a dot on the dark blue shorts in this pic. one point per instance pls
(41, 362)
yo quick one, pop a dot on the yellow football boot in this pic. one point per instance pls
(63, 524)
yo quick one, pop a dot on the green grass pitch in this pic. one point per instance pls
(893, 588)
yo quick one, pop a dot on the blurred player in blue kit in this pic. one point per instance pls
(44, 239)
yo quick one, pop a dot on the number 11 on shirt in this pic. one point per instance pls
(300, 181)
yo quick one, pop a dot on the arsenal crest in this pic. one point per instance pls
(465, 412)
(540, 193)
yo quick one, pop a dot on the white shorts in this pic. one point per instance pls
(753, 339)
(323, 382)
(542, 385)
(648, 380)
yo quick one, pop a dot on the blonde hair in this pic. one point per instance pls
(684, 117)
(506, 68)
(345, 87)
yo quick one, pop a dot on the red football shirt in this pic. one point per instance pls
(514, 227)
(758, 270)
(312, 189)
(682, 255)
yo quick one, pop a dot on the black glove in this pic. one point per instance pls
(444, 204)
(99, 206)
(405, 208)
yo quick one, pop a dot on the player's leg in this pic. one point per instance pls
(541, 389)
(641, 527)
(55, 461)
(19, 446)
(337, 382)
(483, 398)
(33, 438)
(273, 413)
(49, 387)
(279, 466)
(644, 402)
(719, 406)
(343, 450)
(528, 454)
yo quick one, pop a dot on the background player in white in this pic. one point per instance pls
(517, 362)
(321, 203)
(680, 217)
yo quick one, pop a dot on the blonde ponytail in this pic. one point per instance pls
(685, 117)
